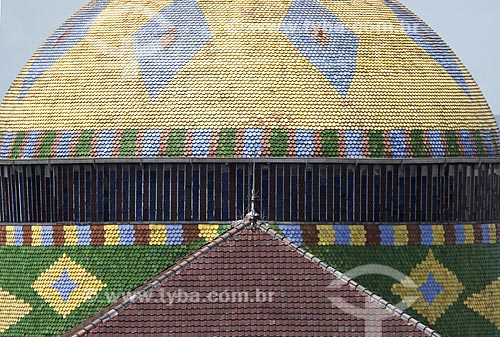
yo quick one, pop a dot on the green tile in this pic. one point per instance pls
(478, 142)
(84, 144)
(227, 143)
(17, 145)
(176, 143)
(278, 142)
(330, 142)
(128, 143)
(121, 268)
(418, 144)
(376, 141)
(452, 142)
(476, 266)
(47, 143)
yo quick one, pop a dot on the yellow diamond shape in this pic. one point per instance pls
(12, 310)
(437, 288)
(487, 303)
(66, 285)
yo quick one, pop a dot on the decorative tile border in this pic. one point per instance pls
(392, 235)
(203, 143)
(107, 235)
(307, 234)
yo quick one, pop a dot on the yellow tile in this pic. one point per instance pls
(36, 236)
(70, 236)
(469, 234)
(400, 235)
(78, 286)
(430, 273)
(12, 310)
(157, 235)
(438, 235)
(487, 302)
(208, 232)
(111, 235)
(10, 235)
(282, 89)
(326, 235)
(493, 233)
(358, 235)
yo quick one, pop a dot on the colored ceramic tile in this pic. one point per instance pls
(13, 310)
(253, 143)
(64, 38)
(437, 289)
(65, 285)
(313, 31)
(392, 235)
(167, 43)
(486, 302)
(430, 42)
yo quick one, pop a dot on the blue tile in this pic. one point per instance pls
(18, 236)
(47, 236)
(292, 232)
(354, 144)
(342, 235)
(201, 142)
(427, 236)
(31, 142)
(65, 38)
(252, 143)
(387, 236)
(104, 146)
(431, 289)
(65, 286)
(398, 147)
(127, 235)
(460, 237)
(6, 144)
(304, 143)
(334, 49)
(151, 143)
(174, 235)
(83, 234)
(490, 147)
(191, 32)
(437, 145)
(432, 43)
(486, 234)
(64, 146)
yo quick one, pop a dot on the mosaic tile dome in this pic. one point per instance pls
(104, 247)
(295, 78)
(274, 78)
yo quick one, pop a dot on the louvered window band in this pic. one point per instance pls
(288, 192)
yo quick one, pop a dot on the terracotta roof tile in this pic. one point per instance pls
(251, 284)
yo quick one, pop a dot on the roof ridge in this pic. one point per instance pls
(121, 304)
(384, 304)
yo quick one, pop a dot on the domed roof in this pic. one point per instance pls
(245, 78)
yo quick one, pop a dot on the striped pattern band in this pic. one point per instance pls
(241, 143)
(310, 235)
(108, 235)
(392, 235)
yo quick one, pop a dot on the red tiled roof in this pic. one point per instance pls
(225, 289)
